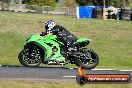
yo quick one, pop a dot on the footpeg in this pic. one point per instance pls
(55, 63)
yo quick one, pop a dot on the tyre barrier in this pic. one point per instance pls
(125, 14)
(97, 13)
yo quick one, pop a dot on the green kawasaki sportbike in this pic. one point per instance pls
(45, 49)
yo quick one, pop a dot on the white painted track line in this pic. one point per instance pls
(112, 69)
(68, 76)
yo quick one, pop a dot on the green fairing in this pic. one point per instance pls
(47, 39)
(51, 50)
(82, 39)
(47, 42)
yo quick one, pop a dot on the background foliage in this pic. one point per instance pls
(42, 2)
(69, 3)
(73, 3)
(116, 3)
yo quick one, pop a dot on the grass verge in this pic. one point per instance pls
(56, 84)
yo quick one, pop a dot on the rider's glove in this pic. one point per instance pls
(43, 34)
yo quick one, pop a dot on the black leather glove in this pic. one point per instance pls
(43, 34)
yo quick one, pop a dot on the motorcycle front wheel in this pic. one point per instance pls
(87, 60)
(30, 56)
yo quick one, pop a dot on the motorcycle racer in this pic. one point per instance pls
(57, 46)
(65, 36)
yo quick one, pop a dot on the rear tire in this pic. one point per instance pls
(84, 62)
(30, 56)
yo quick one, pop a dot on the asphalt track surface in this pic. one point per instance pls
(49, 72)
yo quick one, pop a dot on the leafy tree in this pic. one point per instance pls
(82, 2)
(69, 3)
(128, 2)
(89, 2)
(116, 3)
(42, 2)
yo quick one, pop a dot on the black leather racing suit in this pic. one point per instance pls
(65, 36)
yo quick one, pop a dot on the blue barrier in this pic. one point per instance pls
(86, 11)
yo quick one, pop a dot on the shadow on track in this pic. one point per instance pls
(37, 67)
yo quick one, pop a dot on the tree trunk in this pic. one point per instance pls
(124, 3)
(20, 3)
(2, 4)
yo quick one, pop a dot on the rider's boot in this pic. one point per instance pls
(73, 48)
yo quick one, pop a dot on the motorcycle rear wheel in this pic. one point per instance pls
(88, 60)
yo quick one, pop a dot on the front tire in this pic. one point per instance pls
(30, 56)
(88, 60)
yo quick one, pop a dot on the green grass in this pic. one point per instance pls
(56, 84)
(9, 50)
(130, 5)
(111, 39)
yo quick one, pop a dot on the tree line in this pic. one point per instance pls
(73, 3)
